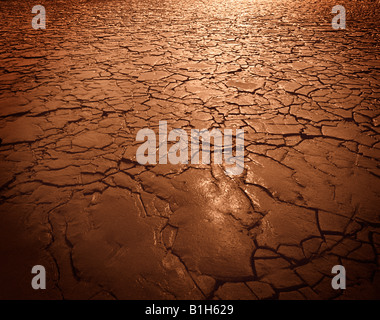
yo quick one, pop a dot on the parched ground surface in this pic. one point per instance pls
(75, 200)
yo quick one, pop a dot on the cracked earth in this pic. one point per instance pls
(75, 200)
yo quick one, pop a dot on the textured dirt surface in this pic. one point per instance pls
(74, 199)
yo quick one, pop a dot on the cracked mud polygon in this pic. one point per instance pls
(74, 199)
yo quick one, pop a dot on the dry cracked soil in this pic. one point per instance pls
(74, 199)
